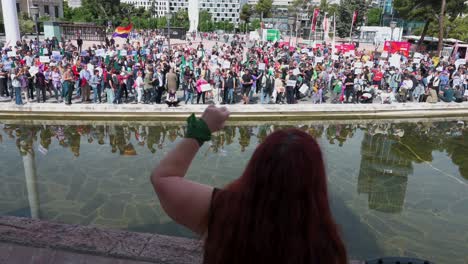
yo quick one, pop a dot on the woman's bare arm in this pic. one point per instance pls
(185, 201)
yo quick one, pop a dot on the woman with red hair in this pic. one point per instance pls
(276, 212)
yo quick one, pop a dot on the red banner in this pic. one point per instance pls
(345, 47)
(314, 18)
(397, 46)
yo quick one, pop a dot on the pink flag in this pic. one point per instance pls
(354, 18)
(314, 18)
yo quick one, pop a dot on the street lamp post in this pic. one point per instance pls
(393, 25)
(169, 17)
(34, 10)
(291, 21)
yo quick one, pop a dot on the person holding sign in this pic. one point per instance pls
(200, 92)
(291, 81)
(246, 82)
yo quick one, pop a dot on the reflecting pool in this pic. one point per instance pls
(397, 188)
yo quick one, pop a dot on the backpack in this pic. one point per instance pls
(270, 83)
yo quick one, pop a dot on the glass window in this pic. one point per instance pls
(46, 10)
(56, 9)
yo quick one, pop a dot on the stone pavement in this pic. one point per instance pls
(33, 241)
(18, 254)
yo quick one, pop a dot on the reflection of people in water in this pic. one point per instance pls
(244, 137)
(276, 212)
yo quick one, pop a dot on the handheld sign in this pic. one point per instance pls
(205, 87)
(44, 59)
(261, 66)
(291, 83)
(11, 54)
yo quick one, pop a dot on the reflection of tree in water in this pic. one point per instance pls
(412, 142)
(340, 133)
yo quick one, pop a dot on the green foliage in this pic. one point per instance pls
(458, 29)
(373, 16)
(345, 15)
(264, 6)
(26, 24)
(204, 21)
(246, 13)
(255, 24)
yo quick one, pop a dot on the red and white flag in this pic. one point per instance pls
(326, 28)
(354, 18)
(315, 18)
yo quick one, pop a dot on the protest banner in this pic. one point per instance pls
(393, 47)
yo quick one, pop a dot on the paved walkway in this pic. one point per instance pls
(17, 254)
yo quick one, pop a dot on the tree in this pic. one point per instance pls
(263, 7)
(246, 13)
(205, 24)
(429, 11)
(345, 16)
(373, 16)
(457, 29)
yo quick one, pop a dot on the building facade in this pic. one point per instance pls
(161, 7)
(51, 8)
(220, 10)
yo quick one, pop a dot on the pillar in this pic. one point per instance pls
(10, 20)
(30, 173)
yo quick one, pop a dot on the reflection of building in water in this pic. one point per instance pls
(383, 174)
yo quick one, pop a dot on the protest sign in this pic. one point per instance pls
(56, 57)
(459, 62)
(357, 71)
(55, 52)
(205, 87)
(334, 57)
(84, 53)
(101, 53)
(226, 64)
(370, 64)
(11, 54)
(304, 50)
(261, 66)
(33, 70)
(291, 83)
(310, 54)
(44, 59)
(304, 88)
(395, 60)
(296, 71)
(123, 52)
(318, 59)
(45, 51)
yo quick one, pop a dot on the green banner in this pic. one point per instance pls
(273, 35)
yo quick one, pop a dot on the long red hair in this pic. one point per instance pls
(278, 210)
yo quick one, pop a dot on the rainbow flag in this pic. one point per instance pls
(122, 32)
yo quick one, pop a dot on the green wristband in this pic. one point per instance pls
(198, 130)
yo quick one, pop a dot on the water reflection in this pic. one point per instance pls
(97, 173)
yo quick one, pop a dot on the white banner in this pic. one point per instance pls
(101, 53)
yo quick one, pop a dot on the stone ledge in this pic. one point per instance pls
(99, 241)
(102, 242)
(133, 112)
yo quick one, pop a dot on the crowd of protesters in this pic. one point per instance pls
(146, 70)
